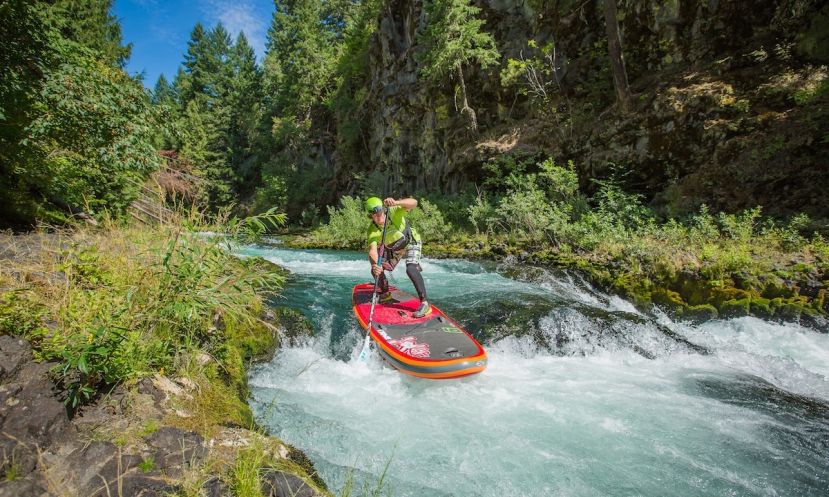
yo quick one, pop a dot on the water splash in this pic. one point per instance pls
(584, 395)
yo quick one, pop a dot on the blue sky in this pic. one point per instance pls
(159, 29)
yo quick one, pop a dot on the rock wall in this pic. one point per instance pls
(716, 120)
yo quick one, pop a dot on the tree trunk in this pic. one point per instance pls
(466, 109)
(617, 60)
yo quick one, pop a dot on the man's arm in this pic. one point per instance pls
(372, 256)
(406, 203)
(372, 253)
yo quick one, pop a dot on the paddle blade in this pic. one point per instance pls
(366, 350)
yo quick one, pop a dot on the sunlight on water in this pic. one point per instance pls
(586, 414)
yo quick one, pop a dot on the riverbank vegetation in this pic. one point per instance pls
(702, 266)
(113, 306)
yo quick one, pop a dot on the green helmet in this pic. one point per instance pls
(373, 204)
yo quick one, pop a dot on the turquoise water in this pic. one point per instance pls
(583, 395)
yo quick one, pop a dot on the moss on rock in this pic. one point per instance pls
(735, 308)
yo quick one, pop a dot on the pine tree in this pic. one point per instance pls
(90, 23)
(205, 89)
(301, 53)
(163, 93)
(196, 70)
(454, 38)
(245, 103)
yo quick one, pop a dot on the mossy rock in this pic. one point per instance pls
(735, 308)
(778, 288)
(761, 307)
(821, 302)
(746, 281)
(700, 313)
(720, 296)
(694, 290)
(668, 298)
(295, 323)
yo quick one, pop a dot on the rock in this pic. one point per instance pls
(137, 485)
(277, 483)
(176, 449)
(186, 383)
(93, 469)
(700, 313)
(147, 387)
(13, 353)
(215, 487)
(27, 487)
(169, 387)
(32, 413)
(735, 308)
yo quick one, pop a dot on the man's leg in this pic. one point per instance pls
(413, 270)
(388, 265)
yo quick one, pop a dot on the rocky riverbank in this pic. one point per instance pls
(130, 443)
(792, 290)
(186, 432)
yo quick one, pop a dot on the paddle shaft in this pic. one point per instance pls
(364, 352)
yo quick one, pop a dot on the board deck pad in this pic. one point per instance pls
(433, 346)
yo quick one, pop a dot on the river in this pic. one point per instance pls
(583, 396)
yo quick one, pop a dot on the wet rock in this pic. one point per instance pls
(280, 484)
(295, 325)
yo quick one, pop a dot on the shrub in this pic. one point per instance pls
(346, 227)
(429, 222)
(482, 214)
(135, 301)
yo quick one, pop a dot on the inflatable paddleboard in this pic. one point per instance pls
(433, 346)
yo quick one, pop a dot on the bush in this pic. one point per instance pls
(429, 222)
(482, 214)
(137, 301)
(346, 227)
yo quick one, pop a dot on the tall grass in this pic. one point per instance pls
(121, 302)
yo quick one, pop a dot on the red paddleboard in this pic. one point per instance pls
(433, 346)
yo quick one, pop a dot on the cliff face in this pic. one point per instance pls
(730, 101)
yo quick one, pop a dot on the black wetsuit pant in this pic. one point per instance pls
(413, 270)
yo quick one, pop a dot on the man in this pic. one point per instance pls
(401, 240)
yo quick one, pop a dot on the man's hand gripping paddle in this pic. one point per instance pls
(366, 350)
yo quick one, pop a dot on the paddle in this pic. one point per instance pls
(364, 353)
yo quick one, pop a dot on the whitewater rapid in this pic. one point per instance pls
(595, 398)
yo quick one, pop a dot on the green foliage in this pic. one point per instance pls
(346, 227)
(454, 37)
(271, 193)
(147, 465)
(482, 214)
(506, 171)
(89, 23)
(429, 221)
(20, 316)
(80, 134)
(534, 75)
(302, 52)
(135, 302)
(245, 473)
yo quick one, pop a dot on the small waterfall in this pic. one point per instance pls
(584, 395)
